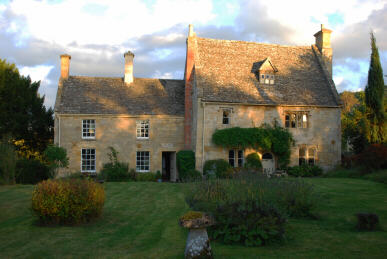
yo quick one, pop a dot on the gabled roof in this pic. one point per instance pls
(104, 95)
(225, 71)
(266, 64)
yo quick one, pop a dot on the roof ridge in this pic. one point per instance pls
(115, 77)
(255, 43)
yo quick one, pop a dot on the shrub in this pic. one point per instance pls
(251, 208)
(31, 171)
(367, 221)
(8, 160)
(69, 201)
(218, 168)
(379, 176)
(248, 222)
(305, 171)
(185, 160)
(115, 171)
(191, 175)
(253, 161)
(374, 157)
(146, 177)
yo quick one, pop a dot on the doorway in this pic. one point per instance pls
(168, 166)
(268, 164)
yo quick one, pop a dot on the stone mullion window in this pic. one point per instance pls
(236, 158)
(296, 120)
(307, 156)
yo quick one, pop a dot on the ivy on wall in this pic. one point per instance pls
(275, 139)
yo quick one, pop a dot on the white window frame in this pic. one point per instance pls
(142, 125)
(95, 161)
(87, 126)
(138, 166)
(236, 158)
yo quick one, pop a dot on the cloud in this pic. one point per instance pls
(96, 34)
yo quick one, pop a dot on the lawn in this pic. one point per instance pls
(140, 221)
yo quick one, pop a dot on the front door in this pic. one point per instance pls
(268, 164)
(166, 160)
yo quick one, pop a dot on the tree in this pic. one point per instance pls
(57, 158)
(22, 112)
(374, 97)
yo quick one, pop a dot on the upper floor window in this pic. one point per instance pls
(235, 158)
(226, 117)
(296, 120)
(266, 79)
(88, 129)
(142, 129)
(307, 156)
(88, 160)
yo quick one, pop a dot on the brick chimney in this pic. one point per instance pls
(323, 43)
(64, 66)
(128, 78)
(189, 81)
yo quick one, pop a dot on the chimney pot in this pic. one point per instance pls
(128, 78)
(64, 66)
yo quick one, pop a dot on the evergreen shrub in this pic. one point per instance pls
(185, 160)
(305, 171)
(69, 201)
(218, 168)
(191, 175)
(31, 171)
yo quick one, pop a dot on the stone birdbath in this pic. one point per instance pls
(198, 244)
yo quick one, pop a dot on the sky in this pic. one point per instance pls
(96, 33)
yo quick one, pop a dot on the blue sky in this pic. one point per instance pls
(96, 33)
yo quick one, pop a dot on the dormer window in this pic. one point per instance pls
(266, 72)
(267, 79)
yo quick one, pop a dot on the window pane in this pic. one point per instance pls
(231, 157)
(142, 161)
(293, 120)
(88, 128)
(226, 117)
(304, 121)
(240, 158)
(287, 120)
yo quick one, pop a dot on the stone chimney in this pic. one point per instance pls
(323, 43)
(128, 78)
(64, 66)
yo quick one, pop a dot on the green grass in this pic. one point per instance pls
(140, 221)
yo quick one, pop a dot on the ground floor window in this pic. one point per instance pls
(88, 160)
(307, 156)
(142, 161)
(235, 158)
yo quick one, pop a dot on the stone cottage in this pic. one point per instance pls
(226, 84)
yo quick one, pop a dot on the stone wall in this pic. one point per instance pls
(323, 132)
(166, 134)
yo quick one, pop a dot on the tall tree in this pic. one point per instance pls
(22, 112)
(374, 96)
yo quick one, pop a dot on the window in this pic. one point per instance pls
(266, 79)
(302, 156)
(88, 160)
(88, 129)
(307, 156)
(142, 128)
(235, 158)
(296, 120)
(311, 156)
(142, 161)
(226, 117)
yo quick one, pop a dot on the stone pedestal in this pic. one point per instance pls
(198, 244)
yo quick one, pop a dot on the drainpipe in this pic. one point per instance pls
(204, 119)
(59, 131)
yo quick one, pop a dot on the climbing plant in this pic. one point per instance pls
(276, 139)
